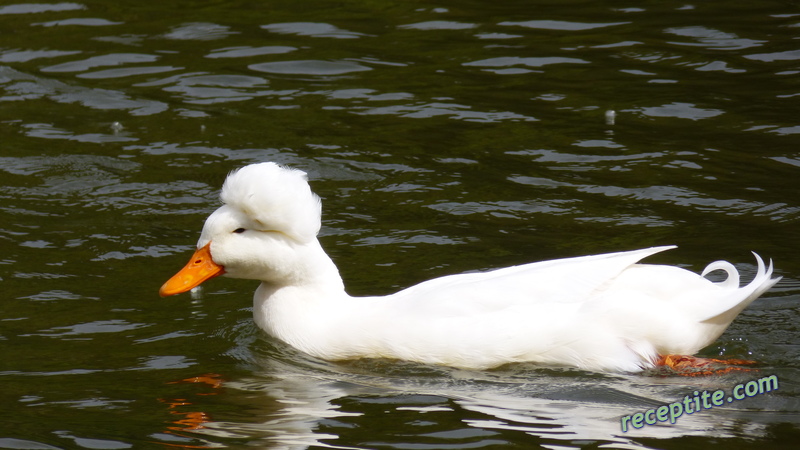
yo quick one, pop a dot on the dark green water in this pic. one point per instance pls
(443, 137)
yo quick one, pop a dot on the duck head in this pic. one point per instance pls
(268, 216)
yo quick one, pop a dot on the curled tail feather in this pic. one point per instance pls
(732, 281)
(738, 299)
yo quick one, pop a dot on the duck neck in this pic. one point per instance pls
(316, 272)
(296, 310)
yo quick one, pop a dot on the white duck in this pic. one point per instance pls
(600, 312)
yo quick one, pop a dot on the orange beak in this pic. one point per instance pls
(199, 269)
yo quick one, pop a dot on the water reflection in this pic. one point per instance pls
(299, 407)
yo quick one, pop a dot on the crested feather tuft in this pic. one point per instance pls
(274, 198)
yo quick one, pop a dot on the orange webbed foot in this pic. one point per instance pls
(693, 366)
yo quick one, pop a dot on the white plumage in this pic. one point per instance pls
(600, 312)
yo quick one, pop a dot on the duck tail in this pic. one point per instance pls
(731, 305)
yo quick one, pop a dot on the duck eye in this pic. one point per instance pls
(239, 230)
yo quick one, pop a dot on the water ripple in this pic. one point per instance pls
(21, 86)
(679, 110)
(33, 8)
(85, 22)
(560, 25)
(112, 59)
(713, 39)
(309, 67)
(439, 25)
(199, 31)
(246, 52)
(313, 29)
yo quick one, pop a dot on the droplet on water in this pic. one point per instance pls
(611, 116)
